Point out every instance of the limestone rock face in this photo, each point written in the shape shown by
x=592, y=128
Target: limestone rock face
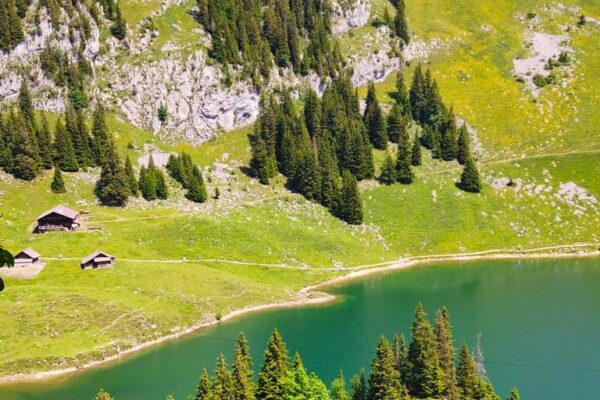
x=348, y=15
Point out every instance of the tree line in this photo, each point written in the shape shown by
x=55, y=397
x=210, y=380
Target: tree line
x=426, y=368
x=256, y=34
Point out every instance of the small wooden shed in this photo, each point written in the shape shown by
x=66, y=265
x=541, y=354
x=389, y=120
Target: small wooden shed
x=98, y=259
x=26, y=258
x=60, y=218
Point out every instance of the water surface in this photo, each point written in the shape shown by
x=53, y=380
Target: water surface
x=539, y=321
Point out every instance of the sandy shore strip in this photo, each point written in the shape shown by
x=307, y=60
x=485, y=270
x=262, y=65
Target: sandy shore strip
x=310, y=295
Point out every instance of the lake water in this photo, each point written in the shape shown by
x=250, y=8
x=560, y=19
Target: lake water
x=539, y=322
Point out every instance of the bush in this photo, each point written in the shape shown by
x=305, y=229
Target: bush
x=25, y=168
x=540, y=80
x=163, y=113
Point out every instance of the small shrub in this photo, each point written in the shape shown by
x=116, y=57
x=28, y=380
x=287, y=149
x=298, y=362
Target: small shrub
x=163, y=114
x=539, y=80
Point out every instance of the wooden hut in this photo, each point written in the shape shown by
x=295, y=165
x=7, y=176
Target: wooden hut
x=98, y=259
x=60, y=218
x=27, y=258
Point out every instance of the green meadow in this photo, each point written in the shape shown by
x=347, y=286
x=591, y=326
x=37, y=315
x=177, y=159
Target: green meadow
x=549, y=147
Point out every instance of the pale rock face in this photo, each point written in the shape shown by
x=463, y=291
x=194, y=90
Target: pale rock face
x=355, y=15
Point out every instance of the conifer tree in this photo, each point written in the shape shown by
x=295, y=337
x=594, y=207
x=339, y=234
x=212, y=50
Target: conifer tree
x=359, y=386
x=204, y=389
x=131, y=178
x=64, y=155
x=469, y=179
x=417, y=96
x=24, y=168
x=196, y=190
x=100, y=136
x=396, y=124
x=162, y=191
x=243, y=382
x=147, y=184
x=448, y=138
x=400, y=24
x=260, y=162
x=75, y=125
x=464, y=145
x=416, y=158
x=374, y=121
x=426, y=376
x=384, y=379
x=401, y=95
x=102, y=395
x=306, y=179
x=404, y=173
x=514, y=394
x=44, y=139
x=26, y=104
x=400, y=350
x=388, y=171
x=445, y=347
x=274, y=369
x=298, y=384
x=58, y=184
x=222, y=388
x=349, y=205
x=112, y=189
x=338, y=388
x=469, y=383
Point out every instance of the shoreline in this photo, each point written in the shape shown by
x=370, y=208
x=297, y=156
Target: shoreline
x=311, y=296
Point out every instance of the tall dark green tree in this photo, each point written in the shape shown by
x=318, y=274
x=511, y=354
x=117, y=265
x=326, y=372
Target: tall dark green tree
x=119, y=28
x=469, y=383
x=101, y=138
x=400, y=350
x=112, y=189
x=426, y=377
x=196, y=189
x=44, y=140
x=445, y=347
x=384, y=379
x=448, y=138
x=416, y=157
x=162, y=191
x=464, y=145
x=274, y=369
x=400, y=24
x=404, y=173
x=338, y=388
x=396, y=124
x=204, y=389
x=388, y=171
x=64, y=154
x=349, y=206
x=469, y=179
x=358, y=386
x=131, y=178
x=401, y=95
x=243, y=382
x=26, y=104
x=223, y=388
x=374, y=120
x=58, y=184
x=514, y=394
x=147, y=184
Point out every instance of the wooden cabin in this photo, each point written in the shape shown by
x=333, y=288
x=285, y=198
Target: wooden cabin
x=26, y=258
x=98, y=259
x=60, y=218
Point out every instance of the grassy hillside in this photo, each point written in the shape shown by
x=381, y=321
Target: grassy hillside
x=549, y=146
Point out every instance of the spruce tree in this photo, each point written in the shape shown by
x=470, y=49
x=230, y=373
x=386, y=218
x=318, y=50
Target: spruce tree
x=222, y=388
x=101, y=141
x=204, y=389
x=26, y=104
x=147, y=184
x=243, y=382
x=102, y=395
x=400, y=24
x=396, y=124
x=404, y=173
x=274, y=369
x=112, y=189
x=24, y=168
x=374, y=121
x=75, y=125
x=384, y=379
x=358, y=386
x=469, y=179
x=131, y=178
x=416, y=157
x=400, y=350
x=448, y=138
x=469, y=383
x=514, y=394
x=306, y=179
x=64, y=155
x=44, y=139
x=426, y=378
x=162, y=191
x=401, y=95
x=196, y=190
x=388, y=171
x=338, y=388
x=349, y=205
x=464, y=145
x=445, y=347
x=58, y=184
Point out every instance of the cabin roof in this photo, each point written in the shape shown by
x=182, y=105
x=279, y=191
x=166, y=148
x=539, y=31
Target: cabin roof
x=61, y=210
x=29, y=252
x=96, y=254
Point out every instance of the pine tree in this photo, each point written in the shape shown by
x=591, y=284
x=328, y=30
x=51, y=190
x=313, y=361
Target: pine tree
x=306, y=179
x=222, y=388
x=44, y=139
x=204, y=389
x=112, y=189
x=401, y=95
x=119, y=28
x=64, y=155
x=101, y=142
x=400, y=350
x=359, y=386
x=469, y=179
x=349, y=205
x=147, y=184
x=445, y=347
x=448, y=138
x=404, y=173
x=396, y=124
x=274, y=369
x=243, y=382
x=400, y=24
x=131, y=178
x=426, y=376
x=196, y=190
x=467, y=379
x=384, y=379
x=388, y=171
x=75, y=125
x=464, y=145
x=24, y=168
x=416, y=158
x=58, y=184
x=338, y=388
x=374, y=121
x=417, y=96
x=514, y=394
x=162, y=191
x=26, y=104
